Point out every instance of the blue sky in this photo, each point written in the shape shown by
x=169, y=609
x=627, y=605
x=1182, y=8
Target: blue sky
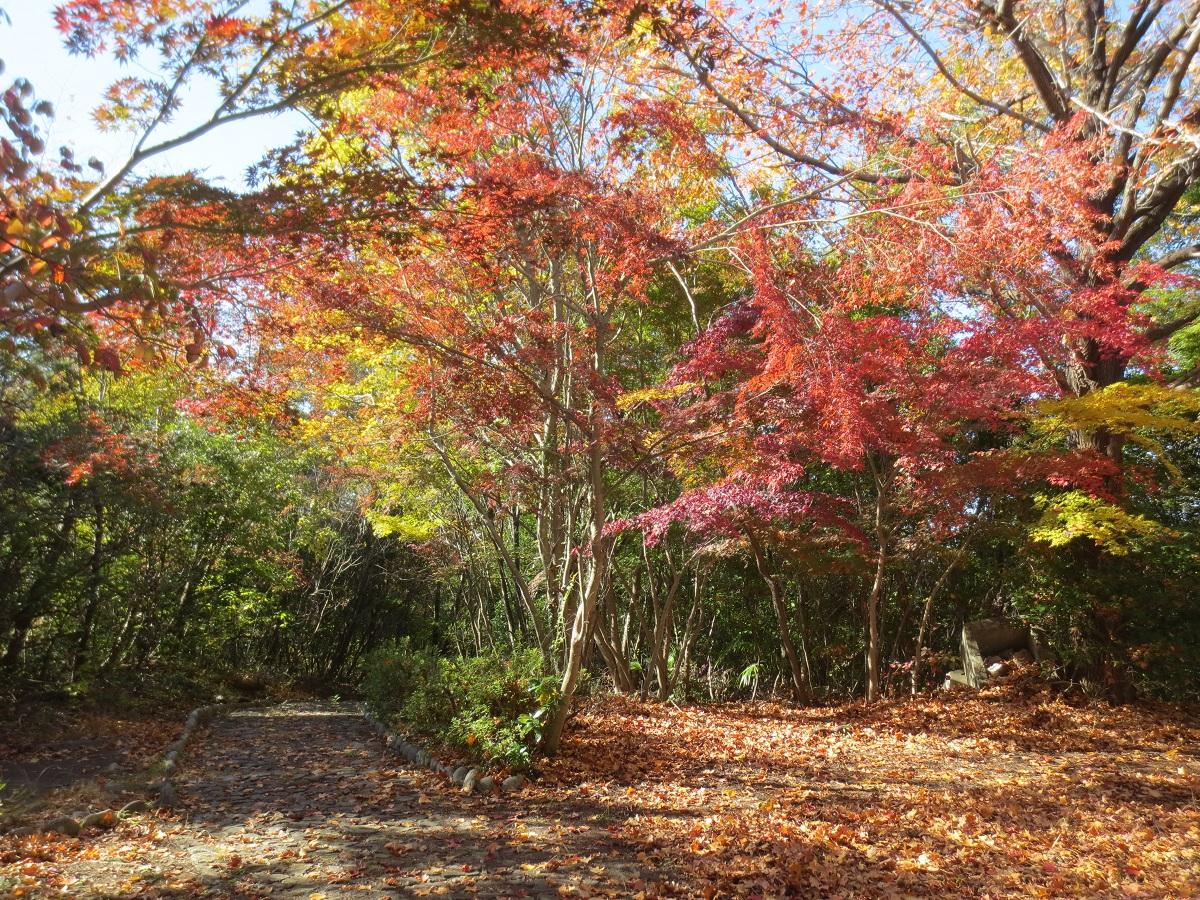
x=32, y=48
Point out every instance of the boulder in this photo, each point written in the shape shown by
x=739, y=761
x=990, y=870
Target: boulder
x=988, y=638
x=486, y=785
x=459, y=775
x=513, y=783
x=133, y=808
x=167, y=795
x=956, y=680
x=470, y=781
x=105, y=818
x=62, y=825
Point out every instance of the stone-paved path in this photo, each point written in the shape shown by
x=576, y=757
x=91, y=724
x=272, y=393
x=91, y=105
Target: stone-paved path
x=301, y=801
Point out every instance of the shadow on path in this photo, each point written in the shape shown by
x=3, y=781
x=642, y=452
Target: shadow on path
x=300, y=800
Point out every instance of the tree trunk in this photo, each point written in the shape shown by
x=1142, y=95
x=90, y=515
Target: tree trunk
x=880, y=473
x=95, y=583
x=581, y=620
x=925, y=614
x=35, y=598
x=801, y=689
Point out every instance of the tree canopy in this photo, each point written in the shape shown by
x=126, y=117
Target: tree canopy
x=682, y=346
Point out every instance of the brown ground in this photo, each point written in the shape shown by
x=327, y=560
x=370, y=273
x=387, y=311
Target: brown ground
x=300, y=801
x=55, y=761
x=988, y=796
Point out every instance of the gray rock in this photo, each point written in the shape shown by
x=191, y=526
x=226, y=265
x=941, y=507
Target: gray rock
x=105, y=818
x=459, y=775
x=62, y=825
x=513, y=783
x=24, y=831
x=167, y=795
x=133, y=808
x=176, y=747
x=470, y=781
x=486, y=785
x=957, y=680
x=168, y=765
x=982, y=640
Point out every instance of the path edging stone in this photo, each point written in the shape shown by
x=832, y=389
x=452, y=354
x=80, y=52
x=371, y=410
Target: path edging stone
x=471, y=778
x=108, y=818
x=168, y=796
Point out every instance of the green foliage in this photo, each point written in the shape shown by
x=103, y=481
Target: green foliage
x=135, y=538
x=402, y=682
x=493, y=707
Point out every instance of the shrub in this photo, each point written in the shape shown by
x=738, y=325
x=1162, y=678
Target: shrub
x=393, y=674
x=492, y=706
x=501, y=705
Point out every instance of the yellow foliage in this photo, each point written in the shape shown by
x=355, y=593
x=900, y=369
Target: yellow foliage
x=405, y=527
x=1077, y=515
x=1133, y=411
x=655, y=392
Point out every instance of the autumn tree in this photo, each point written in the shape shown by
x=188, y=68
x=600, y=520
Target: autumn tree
x=530, y=212
x=1044, y=175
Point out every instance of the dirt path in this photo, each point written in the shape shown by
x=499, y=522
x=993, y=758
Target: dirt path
x=985, y=796
x=300, y=800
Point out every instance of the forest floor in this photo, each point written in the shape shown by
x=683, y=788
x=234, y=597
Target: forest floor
x=992, y=795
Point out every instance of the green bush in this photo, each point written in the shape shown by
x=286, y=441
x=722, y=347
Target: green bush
x=395, y=674
x=493, y=707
